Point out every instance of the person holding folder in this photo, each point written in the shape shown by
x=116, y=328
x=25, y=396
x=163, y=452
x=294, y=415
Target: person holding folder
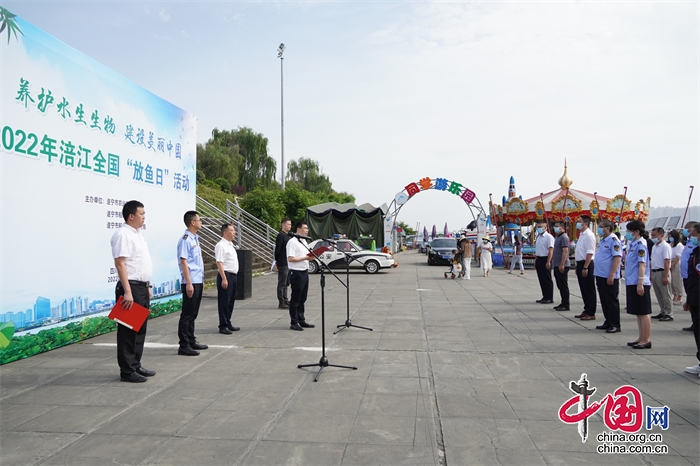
x=134, y=266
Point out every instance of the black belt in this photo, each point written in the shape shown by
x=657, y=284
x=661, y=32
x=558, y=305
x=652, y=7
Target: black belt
x=231, y=273
x=299, y=271
x=657, y=270
x=139, y=283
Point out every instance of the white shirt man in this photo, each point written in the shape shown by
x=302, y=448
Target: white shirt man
x=544, y=249
x=585, y=267
x=135, y=268
x=661, y=274
x=297, y=257
x=227, y=278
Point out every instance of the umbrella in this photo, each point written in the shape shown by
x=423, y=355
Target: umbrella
x=425, y=234
x=434, y=234
x=446, y=232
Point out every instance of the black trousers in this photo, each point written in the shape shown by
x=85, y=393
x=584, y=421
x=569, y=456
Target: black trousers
x=609, y=300
x=562, y=280
x=299, y=280
x=282, y=283
x=587, y=287
x=130, y=343
x=226, y=298
x=190, y=310
x=695, y=315
x=545, y=278
x=694, y=325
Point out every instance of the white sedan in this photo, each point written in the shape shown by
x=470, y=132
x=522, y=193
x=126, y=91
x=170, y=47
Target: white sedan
x=366, y=259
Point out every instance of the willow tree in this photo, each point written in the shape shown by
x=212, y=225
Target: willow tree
x=306, y=173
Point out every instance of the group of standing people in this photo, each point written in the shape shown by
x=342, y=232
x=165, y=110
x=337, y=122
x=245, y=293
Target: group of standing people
x=484, y=253
x=670, y=268
x=135, y=269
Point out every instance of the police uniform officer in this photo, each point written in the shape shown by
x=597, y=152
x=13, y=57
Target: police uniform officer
x=685, y=256
x=189, y=255
x=134, y=266
x=607, y=276
x=637, y=278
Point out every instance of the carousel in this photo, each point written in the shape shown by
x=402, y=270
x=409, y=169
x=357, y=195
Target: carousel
x=564, y=204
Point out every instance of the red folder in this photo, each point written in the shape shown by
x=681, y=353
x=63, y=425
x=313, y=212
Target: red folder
x=318, y=251
x=132, y=318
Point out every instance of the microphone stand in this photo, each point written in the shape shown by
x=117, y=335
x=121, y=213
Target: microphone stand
x=323, y=362
x=348, y=323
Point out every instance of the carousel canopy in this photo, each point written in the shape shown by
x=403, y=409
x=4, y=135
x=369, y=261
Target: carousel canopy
x=567, y=204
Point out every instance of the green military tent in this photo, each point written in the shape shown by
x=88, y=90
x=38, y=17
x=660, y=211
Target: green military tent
x=326, y=220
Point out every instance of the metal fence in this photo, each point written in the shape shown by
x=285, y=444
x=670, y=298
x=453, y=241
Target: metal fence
x=251, y=234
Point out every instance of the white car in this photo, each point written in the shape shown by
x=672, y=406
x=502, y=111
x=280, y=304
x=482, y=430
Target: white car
x=366, y=259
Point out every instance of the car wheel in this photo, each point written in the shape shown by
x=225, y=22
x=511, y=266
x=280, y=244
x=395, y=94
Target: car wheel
x=313, y=267
x=371, y=266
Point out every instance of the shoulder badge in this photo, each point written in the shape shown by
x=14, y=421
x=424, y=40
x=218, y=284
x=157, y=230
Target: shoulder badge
x=641, y=253
x=184, y=237
x=617, y=247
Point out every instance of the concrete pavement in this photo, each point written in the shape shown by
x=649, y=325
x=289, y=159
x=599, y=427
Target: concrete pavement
x=455, y=372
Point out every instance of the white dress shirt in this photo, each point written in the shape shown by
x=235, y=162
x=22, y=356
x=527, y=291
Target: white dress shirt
x=295, y=249
x=585, y=245
x=129, y=243
x=543, y=243
x=225, y=252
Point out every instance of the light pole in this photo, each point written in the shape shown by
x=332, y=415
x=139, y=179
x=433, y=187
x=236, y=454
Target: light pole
x=280, y=55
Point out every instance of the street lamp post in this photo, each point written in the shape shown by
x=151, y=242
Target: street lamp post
x=280, y=55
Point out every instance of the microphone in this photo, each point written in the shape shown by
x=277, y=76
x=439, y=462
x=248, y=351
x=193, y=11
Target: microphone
x=296, y=235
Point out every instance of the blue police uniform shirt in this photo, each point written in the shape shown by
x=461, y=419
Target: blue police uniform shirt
x=608, y=249
x=685, y=256
x=637, y=253
x=188, y=248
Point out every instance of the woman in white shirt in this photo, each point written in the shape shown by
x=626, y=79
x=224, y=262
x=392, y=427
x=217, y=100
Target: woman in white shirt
x=674, y=239
x=486, y=260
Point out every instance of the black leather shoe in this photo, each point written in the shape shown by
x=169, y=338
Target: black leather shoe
x=305, y=325
x=145, y=372
x=561, y=308
x=578, y=316
x=134, y=377
x=283, y=306
x=658, y=316
x=296, y=327
x=688, y=329
x=232, y=328
x=613, y=330
x=187, y=351
x=546, y=301
x=225, y=331
x=197, y=345
x=602, y=327
x=632, y=343
x=539, y=300
x=638, y=346
x=666, y=318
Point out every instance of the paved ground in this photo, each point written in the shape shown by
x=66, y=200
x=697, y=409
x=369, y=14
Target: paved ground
x=455, y=372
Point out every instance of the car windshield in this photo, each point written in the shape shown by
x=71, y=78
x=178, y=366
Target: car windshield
x=444, y=243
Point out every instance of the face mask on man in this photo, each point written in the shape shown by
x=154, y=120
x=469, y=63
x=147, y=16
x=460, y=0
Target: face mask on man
x=686, y=232
x=694, y=240
x=540, y=230
x=601, y=231
x=655, y=240
x=557, y=230
x=579, y=225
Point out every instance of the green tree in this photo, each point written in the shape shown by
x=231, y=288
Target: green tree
x=219, y=158
x=306, y=173
x=257, y=168
x=409, y=231
x=265, y=204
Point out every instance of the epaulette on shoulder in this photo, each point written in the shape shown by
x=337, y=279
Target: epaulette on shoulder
x=184, y=237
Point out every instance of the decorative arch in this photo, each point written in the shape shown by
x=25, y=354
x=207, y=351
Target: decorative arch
x=425, y=184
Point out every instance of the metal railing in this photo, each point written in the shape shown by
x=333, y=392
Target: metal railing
x=249, y=234
x=252, y=222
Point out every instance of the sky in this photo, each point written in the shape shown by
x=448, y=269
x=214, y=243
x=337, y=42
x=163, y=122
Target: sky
x=383, y=94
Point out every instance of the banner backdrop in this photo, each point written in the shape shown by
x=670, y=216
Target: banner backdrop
x=78, y=141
